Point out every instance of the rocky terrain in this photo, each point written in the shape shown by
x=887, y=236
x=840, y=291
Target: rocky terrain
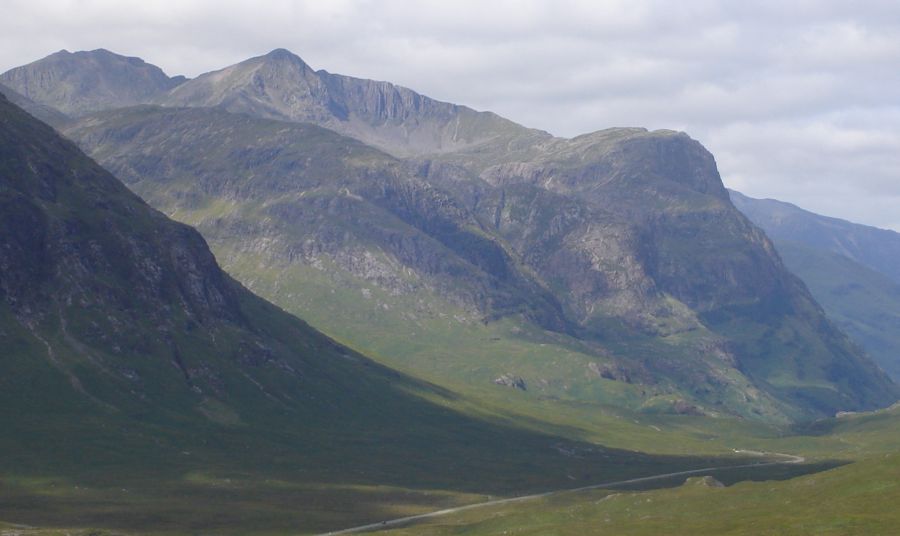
x=619, y=249
x=45, y=113
x=82, y=82
x=141, y=386
x=280, y=85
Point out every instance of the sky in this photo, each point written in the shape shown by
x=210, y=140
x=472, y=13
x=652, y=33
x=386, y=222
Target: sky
x=797, y=100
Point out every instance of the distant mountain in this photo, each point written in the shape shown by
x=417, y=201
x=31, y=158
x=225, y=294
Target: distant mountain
x=878, y=249
x=45, y=113
x=82, y=82
x=280, y=85
x=615, y=261
x=847, y=267
x=317, y=195
x=619, y=249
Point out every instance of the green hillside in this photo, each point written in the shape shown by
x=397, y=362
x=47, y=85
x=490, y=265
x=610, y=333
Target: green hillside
x=592, y=289
x=850, y=499
x=849, y=268
x=143, y=390
x=863, y=302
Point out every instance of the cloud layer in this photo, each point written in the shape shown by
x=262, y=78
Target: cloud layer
x=799, y=100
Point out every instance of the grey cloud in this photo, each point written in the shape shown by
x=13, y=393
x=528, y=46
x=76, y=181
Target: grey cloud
x=797, y=100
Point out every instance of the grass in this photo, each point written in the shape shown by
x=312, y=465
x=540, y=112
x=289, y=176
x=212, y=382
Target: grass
x=129, y=404
x=853, y=498
x=344, y=440
x=863, y=302
x=361, y=447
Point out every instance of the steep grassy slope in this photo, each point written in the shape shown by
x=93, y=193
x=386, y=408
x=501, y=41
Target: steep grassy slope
x=583, y=259
x=863, y=302
x=144, y=390
x=849, y=268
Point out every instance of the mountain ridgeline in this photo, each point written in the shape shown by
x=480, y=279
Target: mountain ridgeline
x=877, y=249
x=280, y=85
x=851, y=270
x=611, y=267
x=81, y=82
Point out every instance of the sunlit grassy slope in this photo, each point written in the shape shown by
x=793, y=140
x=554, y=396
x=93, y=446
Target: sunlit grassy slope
x=856, y=498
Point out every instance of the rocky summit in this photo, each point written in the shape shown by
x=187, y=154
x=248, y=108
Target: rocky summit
x=81, y=82
x=280, y=85
x=463, y=247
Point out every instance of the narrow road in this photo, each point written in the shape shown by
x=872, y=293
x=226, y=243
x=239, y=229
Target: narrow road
x=394, y=523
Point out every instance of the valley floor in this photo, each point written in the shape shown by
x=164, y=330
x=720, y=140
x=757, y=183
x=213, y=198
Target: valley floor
x=823, y=495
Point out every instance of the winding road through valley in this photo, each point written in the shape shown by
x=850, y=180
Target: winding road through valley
x=395, y=523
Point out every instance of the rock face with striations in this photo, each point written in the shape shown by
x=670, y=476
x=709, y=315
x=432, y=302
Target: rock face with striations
x=45, y=113
x=280, y=85
x=623, y=244
x=81, y=82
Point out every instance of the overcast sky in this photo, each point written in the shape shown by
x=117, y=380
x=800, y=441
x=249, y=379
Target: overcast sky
x=798, y=101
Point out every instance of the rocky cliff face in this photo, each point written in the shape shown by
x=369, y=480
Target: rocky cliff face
x=636, y=227
x=280, y=85
x=622, y=243
x=615, y=237
x=82, y=82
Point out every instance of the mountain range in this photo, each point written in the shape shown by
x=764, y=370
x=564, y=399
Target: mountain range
x=851, y=269
x=610, y=268
x=492, y=311
x=143, y=386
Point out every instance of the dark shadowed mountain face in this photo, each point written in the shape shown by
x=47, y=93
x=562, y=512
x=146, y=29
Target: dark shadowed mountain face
x=619, y=250
x=849, y=268
x=82, y=82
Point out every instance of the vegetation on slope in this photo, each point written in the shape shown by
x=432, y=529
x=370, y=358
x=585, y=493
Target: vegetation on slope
x=588, y=249
x=850, y=499
x=144, y=390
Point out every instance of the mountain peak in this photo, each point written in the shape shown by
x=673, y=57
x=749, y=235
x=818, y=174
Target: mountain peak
x=87, y=81
x=283, y=54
